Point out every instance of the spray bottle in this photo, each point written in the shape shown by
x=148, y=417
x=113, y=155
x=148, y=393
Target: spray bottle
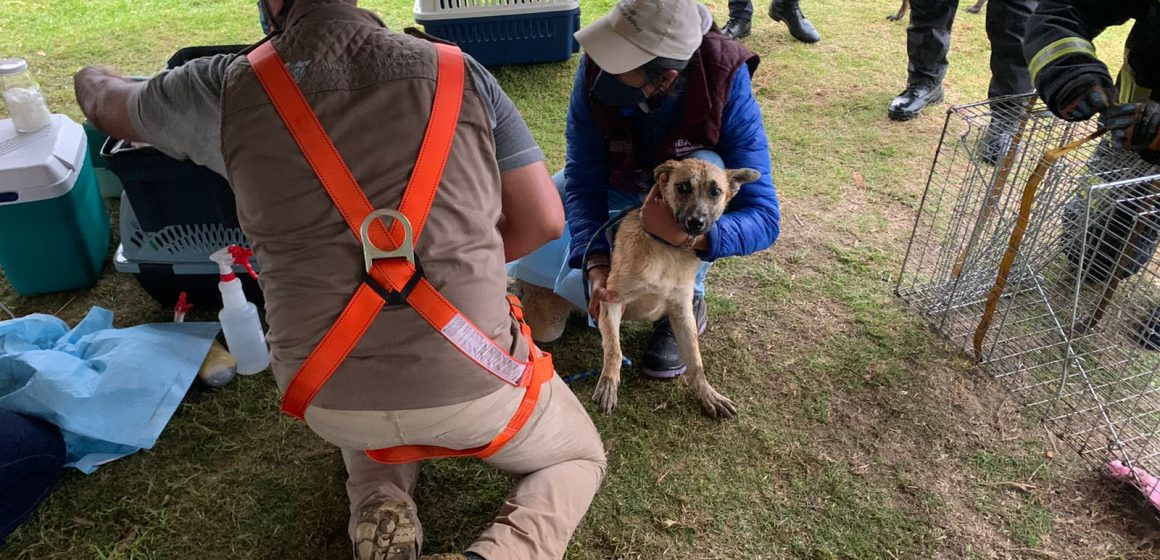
x=239, y=318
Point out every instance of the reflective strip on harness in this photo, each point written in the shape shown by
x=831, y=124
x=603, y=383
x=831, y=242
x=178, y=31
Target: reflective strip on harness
x=478, y=347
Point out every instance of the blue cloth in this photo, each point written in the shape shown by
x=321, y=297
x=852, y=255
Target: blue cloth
x=548, y=267
x=751, y=222
x=110, y=391
x=31, y=460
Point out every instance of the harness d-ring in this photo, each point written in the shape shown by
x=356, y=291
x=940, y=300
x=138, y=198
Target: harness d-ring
x=372, y=253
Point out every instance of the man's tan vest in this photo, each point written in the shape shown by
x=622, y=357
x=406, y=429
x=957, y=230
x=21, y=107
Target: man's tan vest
x=372, y=90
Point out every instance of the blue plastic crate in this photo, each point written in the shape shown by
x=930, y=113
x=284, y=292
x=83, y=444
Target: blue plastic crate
x=511, y=39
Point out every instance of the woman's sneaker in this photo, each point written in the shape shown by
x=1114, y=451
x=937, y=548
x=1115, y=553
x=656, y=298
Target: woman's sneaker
x=662, y=359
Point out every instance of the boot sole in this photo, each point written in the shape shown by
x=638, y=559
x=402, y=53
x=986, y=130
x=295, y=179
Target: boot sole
x=386, y=532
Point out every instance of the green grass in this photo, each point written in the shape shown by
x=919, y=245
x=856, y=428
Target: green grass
x=861, y=435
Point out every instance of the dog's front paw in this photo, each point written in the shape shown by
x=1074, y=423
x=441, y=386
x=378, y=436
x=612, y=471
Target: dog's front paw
x=717, y=405
x=605, y=395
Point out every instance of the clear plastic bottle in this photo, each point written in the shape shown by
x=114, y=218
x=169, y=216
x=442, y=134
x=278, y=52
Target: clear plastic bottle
x=239, y=319
x=22, y=96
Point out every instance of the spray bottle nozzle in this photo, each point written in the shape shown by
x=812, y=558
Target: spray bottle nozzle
x=181, y=308
x=225, y=262
x=241, y=257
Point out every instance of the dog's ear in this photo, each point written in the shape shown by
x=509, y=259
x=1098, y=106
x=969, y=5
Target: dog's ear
x=661, y=172
x=741, y=176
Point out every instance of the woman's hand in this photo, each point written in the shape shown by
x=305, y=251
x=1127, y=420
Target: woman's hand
x=597, y=281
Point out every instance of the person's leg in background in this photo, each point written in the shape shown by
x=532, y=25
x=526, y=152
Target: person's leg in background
x=31, y=461
x=740, y=19
x=535, y=280
x=790, y=13
x=928, y=41
x=562, y=458
x=383, y=515
x=1006, y=26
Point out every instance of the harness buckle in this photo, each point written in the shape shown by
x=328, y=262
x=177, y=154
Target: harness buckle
x=372, y=253
x=406, y=250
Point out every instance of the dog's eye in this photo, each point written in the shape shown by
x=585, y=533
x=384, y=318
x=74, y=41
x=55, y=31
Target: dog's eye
x=684, y=188
x=715, y=192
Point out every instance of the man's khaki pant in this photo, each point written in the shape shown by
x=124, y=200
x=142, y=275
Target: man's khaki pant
x=558, y=451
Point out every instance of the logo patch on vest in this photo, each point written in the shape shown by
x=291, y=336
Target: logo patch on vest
x=297, y=69
x=682, y=147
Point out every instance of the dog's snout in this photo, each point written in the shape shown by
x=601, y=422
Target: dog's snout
x=695, y=225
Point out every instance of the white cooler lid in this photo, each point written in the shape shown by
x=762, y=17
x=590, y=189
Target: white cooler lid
x=40, y=165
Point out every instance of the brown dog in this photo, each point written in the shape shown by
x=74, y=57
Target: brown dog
x=906, y=6
x=654, y=279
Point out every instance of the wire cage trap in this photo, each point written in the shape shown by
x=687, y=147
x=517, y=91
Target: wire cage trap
x=1033, y=252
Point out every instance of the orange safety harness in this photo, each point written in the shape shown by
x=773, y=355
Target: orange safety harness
x=395, y=276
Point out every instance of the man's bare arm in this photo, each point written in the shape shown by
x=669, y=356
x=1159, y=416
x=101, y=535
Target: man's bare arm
x=532, y=211
x=103, y=95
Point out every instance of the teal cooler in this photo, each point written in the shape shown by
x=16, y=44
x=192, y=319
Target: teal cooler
x=54, y=229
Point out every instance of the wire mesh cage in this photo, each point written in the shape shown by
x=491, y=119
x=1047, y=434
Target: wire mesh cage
x=1033, y=251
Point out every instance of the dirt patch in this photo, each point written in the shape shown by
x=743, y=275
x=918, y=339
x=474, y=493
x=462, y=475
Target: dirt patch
x=924, y=439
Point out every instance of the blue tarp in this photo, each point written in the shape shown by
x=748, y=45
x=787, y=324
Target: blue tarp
x=111, y=391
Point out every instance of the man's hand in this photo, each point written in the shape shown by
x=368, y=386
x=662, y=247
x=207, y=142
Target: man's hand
x=1136, y=127
x=103, y=95
x=597, y=282
x=1085, y=96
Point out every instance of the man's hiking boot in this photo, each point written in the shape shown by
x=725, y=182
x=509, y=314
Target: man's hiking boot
x=386, y=531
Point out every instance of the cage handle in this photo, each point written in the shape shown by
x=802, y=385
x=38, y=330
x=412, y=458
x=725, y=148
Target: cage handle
x=1026, y=202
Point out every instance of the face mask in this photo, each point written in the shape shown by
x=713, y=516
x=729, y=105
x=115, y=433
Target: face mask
x=616, y=93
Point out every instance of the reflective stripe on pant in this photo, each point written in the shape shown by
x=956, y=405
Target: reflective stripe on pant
x=558, y=452
x=547, y=266
x=928, y=40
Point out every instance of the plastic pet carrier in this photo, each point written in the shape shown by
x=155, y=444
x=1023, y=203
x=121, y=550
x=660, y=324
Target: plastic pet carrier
x=165, y=191
x=164, y=282
x=176, y=259
x=498, y=32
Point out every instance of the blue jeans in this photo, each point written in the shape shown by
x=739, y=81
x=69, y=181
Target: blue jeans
x=548, y=266
x=31, y=460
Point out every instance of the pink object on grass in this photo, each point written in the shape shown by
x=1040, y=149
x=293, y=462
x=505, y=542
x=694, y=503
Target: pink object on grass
x=1139, y=478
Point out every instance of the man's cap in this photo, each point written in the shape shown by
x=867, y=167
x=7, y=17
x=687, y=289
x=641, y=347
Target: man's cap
x=637, y=31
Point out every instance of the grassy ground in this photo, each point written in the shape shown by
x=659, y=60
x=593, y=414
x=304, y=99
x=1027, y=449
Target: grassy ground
x=861, y=435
